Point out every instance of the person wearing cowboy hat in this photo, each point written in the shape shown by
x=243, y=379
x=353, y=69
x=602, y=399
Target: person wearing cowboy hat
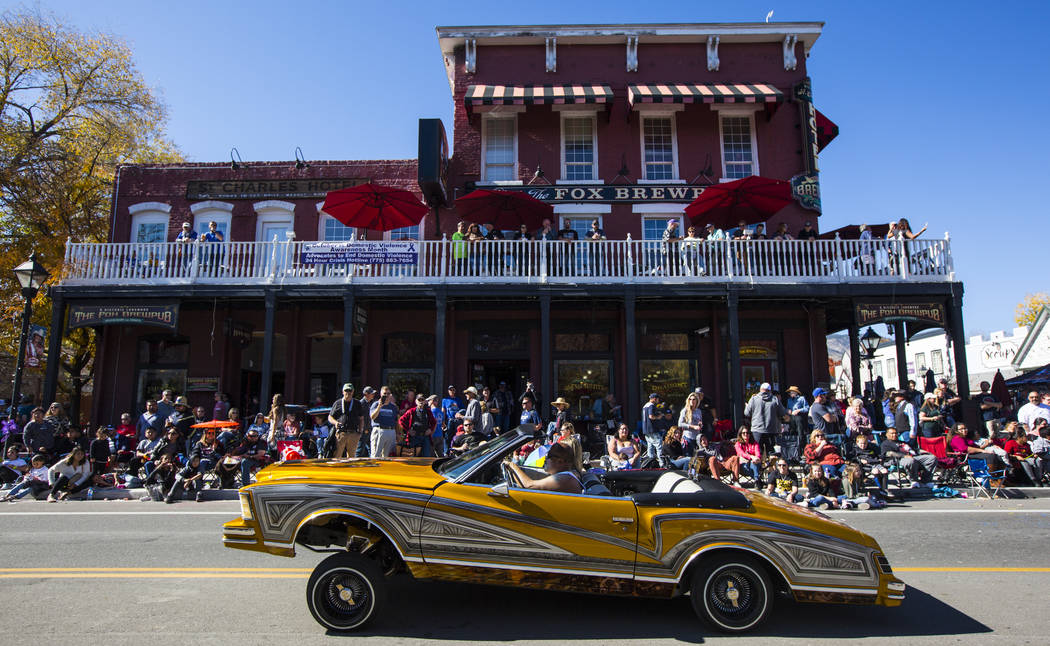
x=473, y=408
x=183, y=419
x=798, y=408
x=562, y=414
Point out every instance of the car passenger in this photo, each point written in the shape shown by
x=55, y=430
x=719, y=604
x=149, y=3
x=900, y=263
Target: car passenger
x=559, y=464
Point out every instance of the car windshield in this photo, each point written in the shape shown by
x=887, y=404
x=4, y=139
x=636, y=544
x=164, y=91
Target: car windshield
x=455, y=467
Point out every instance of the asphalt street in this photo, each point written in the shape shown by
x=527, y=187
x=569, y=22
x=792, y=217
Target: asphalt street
x=127, y=572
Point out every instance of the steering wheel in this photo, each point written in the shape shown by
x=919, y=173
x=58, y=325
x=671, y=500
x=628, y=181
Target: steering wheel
x=509, y=476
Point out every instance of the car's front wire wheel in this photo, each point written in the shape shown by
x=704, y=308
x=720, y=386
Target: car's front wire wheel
x=344, y=591
x=732, y=593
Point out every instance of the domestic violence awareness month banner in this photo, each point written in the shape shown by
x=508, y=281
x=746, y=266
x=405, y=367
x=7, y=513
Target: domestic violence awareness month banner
x=360, y=252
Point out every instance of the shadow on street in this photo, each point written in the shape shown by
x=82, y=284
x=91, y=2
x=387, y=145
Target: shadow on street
x=464, y=612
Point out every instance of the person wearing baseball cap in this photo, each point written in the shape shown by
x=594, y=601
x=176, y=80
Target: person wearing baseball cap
x=346, y=418
x=451, y=411
x=824, y=417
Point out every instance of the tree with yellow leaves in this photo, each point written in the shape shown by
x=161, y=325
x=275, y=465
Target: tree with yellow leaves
x=1029, y=308
x=73, y=108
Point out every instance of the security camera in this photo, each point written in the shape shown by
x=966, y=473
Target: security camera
x=703, y=331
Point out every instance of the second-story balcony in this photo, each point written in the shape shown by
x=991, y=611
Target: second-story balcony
x=512, y=261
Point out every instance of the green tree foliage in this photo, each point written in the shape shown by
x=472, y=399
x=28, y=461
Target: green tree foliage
x=73, y=107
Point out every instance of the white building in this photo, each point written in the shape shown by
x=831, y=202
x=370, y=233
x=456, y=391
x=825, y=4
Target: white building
x=1013, y=352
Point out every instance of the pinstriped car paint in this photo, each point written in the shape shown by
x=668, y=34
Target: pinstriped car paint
x=557, y=541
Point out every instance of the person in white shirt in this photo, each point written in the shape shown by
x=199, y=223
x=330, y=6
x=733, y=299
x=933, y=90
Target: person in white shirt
x=1027, y=414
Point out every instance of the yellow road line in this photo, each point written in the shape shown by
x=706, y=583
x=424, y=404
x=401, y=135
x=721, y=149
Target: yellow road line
x=157, y=569
x=150, y=575
x=972, y=569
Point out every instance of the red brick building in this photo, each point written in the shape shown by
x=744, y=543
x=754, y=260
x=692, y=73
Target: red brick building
x=624, y=124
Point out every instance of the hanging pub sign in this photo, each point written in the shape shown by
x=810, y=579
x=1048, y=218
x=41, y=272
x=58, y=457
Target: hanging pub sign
x=806, y=191
x=360, y=252
x=805, y=187
x=571, y=193
x=929, y=313
x=266, y=189
x=166, y=316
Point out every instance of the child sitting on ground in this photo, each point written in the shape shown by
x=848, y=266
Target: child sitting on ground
x=33, y=481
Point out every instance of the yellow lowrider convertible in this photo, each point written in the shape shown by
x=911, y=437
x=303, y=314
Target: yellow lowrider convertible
x=641, y=533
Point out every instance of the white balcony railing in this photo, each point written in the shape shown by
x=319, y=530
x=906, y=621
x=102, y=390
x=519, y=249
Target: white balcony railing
x=519, y=261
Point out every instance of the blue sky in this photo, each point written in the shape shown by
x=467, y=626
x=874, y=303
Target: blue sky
x=939, y=104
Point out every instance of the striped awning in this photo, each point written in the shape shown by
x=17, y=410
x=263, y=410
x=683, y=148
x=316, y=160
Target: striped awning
x=711, y=93
x=536, y=94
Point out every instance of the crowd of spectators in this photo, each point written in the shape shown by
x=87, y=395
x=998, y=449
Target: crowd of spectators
x=841, y=454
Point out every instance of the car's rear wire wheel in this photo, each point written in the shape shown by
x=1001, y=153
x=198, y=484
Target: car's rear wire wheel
x=344, y=591
x=732, y=593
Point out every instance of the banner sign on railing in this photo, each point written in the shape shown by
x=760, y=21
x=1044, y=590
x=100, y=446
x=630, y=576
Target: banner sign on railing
x=91, y=315
x=360, y=253
x=931, y=313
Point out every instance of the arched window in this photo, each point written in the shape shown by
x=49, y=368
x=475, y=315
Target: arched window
x=149, y=222
x=331, y=230
x=212, y=211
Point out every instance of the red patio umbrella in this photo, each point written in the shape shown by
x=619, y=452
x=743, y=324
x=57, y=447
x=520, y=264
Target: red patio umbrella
x=216, y=424
x=852, y=232
x=505, y=209
x=751, y=199
x=375, y=207
x=1000, y=391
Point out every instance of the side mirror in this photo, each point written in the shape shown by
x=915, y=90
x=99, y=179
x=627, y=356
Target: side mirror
x=501, y=490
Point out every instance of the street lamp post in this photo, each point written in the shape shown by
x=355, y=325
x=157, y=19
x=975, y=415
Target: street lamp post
x=870, y=343
x=31, y=276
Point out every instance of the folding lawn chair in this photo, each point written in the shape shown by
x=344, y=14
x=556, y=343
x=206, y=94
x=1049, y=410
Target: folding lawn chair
x=983, y=481
x=951, y=466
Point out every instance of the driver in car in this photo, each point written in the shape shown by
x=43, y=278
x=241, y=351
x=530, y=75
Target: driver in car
x=559, y=464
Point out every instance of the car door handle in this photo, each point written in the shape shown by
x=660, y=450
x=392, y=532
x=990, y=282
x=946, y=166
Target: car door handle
x=622, y=519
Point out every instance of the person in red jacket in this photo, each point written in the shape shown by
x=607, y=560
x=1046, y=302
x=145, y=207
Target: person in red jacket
x=820, y=451
x=127, y=435
x=418, y=423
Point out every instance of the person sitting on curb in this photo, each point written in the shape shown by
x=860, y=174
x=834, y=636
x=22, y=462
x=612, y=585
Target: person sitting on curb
x=782, y=483
x=189, y=477
x=69, y=475
x=33, y=481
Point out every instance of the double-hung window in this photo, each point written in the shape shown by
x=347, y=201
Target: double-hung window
x=499, y=148
x=659, y=148
x=579, y=147
x=739, y=156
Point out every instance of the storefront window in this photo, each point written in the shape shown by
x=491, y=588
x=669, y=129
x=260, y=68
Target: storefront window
x=581, y=342
x=504, y=342
x=671, y=378
x=665, y=342
x=409, y=348
x=153, y=382
x=163, y=350
x=402, y=380
x=582, y=383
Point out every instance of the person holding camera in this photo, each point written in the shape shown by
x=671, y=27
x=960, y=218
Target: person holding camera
x=345, y=417
x=384, y=416
x=418, y=423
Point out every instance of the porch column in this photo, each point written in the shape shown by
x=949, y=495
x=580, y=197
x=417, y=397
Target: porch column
x=441, y=305
x=630, y=409
x=546, y=372
x=266, y=379
x=348, y=339
x=902, y=355
x=854, y=357
x=736, y=377
x=962, y=371
x=54, y=346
